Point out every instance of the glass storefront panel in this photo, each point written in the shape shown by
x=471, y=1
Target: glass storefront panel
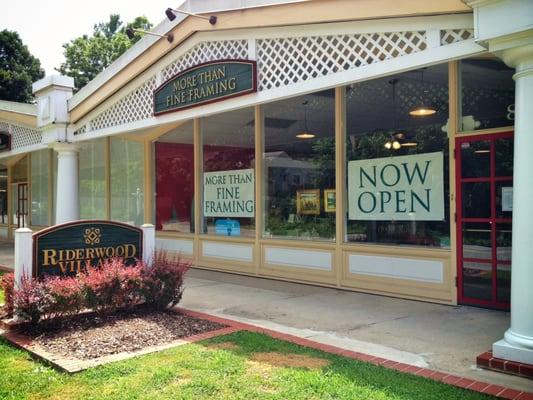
x=477, y=280
x=228, y=151
x=127, y=181
x=40, y=175
x=92, y=175
x=299, y=167
x=477, y=240
x=487, y=94
x=397, y=162
x=475, y=159
x=476, y=200
x=174, y=180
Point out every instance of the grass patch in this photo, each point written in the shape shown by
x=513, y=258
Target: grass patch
x=242, y=365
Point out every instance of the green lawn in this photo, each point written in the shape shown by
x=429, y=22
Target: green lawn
x=242, y=365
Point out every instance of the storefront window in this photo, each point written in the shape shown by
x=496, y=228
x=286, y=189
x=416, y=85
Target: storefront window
x=228, y=204
x=487, y=94
x=127, y=181
x=40, y=171
x=3, y=196
x=92, y=179
x=299, y=167
x=19, y=193
x=174, y=180
x=397, y=163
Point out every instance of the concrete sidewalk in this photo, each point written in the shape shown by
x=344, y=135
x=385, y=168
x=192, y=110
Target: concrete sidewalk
x=438, y=337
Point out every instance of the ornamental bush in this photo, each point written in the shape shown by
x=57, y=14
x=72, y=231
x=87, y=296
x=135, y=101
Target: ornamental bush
x=65, y=297
x=103, y=289
x=163, y=280
x=112, y=285
x=7, y=283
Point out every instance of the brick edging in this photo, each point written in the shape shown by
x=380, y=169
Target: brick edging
x=488, y=361
x=450, y=379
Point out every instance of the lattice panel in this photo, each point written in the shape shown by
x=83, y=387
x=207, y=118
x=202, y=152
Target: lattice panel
x=138, y=105
x=4, y=126
x=285, y=61
x=207, y=51
x=455, y=35
x=22, y=136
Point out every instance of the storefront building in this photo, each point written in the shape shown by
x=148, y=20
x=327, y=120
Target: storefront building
x=374, y=146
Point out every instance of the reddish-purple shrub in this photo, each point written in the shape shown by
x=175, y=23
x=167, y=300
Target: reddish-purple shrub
x=66, y=296
x=163, y=280
x=111, y=285
x=31, y=300
x=7, y=284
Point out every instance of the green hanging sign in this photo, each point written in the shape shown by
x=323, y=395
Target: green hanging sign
x=206, y=83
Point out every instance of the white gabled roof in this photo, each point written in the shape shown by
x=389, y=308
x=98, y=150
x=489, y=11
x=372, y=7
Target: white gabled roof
x=195, y=6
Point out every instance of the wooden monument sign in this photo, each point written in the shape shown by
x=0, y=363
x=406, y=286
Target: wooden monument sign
x=64, y=250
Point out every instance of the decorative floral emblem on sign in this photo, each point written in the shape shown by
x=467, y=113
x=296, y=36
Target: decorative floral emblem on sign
x=92, y=236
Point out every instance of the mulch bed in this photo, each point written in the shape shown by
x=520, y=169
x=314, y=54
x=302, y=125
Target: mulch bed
x=87, y=337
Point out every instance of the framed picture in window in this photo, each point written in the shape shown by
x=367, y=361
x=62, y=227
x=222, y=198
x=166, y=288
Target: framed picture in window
x=308, y=202
x=330, y=200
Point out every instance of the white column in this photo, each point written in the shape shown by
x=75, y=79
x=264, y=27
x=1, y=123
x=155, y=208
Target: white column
x=517, y=344
x=148, y=243
x=23, y=254
x=67, y=197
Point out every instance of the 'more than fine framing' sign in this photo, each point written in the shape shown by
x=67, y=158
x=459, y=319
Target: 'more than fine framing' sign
x=229, y=193
x=206, y=83
x=404, y=188
x=65, y=250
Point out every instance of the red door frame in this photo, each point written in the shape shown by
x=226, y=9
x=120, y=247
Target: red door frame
x=494, y=303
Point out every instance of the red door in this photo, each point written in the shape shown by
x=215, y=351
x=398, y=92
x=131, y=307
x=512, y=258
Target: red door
x=484, y=167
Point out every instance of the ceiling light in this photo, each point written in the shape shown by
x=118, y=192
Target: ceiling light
x=422, y=111
x=396, y=145
x=410, y=143
x=388, y=145
x=482, y=151
x=305, y=135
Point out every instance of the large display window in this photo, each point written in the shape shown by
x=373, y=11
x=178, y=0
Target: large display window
x=40, y=175
x=299, y=167
x=487, y=94
x=397, y=159
x=228, y=176
x=92, y=176
x=127, y=181
x=174, y=180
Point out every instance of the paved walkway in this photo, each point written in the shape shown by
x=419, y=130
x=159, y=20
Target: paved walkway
x=438, y=337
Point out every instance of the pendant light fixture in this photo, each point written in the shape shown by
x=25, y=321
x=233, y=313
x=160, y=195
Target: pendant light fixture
x=422, y=110
x=397, y=140
x=305, y=134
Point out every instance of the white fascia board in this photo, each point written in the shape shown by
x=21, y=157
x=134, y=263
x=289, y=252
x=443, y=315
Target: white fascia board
x=23, y=150
x=429, y=57
x=19, y=108
x=124, y=60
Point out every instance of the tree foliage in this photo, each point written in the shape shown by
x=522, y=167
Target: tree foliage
x=87, y=56
x=18, y=68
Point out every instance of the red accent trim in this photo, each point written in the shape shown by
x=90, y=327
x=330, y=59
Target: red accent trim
x=253, y=63
x=493, y=220
x=37, y=235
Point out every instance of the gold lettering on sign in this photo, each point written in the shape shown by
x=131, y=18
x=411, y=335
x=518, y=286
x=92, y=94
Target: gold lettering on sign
x=200, y=86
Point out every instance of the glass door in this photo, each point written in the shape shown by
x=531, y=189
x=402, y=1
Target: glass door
x=20, y=204
x=484, y=167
